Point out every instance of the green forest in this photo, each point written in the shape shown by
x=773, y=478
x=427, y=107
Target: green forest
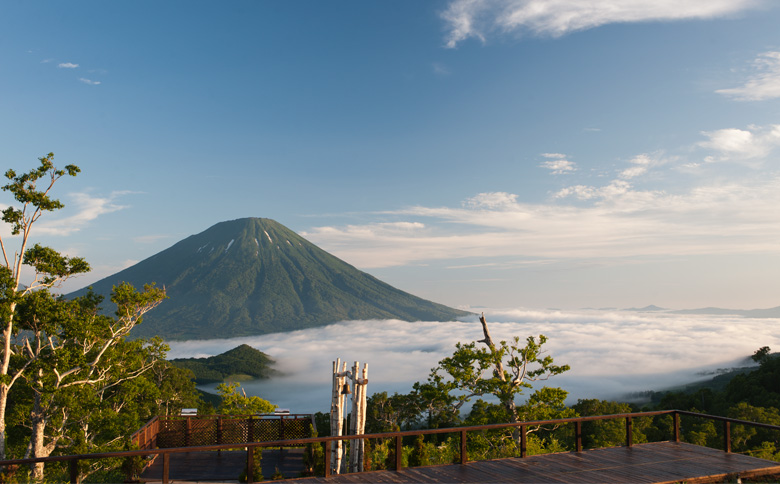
x=72, y=382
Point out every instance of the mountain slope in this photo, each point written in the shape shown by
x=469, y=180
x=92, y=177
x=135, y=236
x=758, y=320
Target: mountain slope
x=254, y=276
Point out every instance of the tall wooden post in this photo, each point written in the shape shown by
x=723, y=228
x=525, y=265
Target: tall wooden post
x=357, y=422
x=337, y=414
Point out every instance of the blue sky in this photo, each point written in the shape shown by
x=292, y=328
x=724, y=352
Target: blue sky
x=503, y=153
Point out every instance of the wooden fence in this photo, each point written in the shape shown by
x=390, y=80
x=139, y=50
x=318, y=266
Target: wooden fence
x=399, y=436
x=191, y=431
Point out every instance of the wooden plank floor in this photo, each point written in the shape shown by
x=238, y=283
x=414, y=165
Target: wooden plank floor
x=660, y=462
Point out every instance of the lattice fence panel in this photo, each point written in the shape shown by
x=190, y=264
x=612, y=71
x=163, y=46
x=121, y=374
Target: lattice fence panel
x=234, y=431
x=298, y=428
x=207, y=430
x=172, y=433
x=203, y=432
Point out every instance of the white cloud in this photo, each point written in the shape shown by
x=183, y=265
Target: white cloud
x=732, y=144
x=477, y=18
x=492, y=201
x=641, y=164
x=763, y=84
x=559, y=167
x=67, y=65
x=89, y=81
x=557, y=163
x=88, y=208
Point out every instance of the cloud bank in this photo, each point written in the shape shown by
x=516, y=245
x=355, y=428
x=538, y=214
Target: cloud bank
x=611, y=354
x=554, y=18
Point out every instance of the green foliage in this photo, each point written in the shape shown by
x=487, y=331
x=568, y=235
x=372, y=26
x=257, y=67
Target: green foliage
x=314, y=457
x=255, y=276
x=257, y=469
x=242, y=360
x=421, y=453
x=608, y=433
x=235, y=403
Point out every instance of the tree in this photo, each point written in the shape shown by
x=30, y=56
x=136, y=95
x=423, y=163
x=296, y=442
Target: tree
x=502, y=370
x=234, y=403
x=77, y=359
x=31, y=191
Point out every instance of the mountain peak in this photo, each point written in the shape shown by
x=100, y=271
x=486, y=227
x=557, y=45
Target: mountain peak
x=253, y=276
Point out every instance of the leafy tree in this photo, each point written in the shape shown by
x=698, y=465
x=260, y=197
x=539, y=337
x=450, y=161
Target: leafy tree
x=32, y=192
x=502, y=370
x=761, y=355
x=79, y=357
x=234, y=403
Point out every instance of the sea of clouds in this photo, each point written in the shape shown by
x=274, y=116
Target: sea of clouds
x=612, y=354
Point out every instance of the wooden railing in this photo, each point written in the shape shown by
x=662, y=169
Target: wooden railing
x=398, y=438
x=146, y=436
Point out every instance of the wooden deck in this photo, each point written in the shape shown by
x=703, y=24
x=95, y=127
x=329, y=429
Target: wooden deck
x=225, y=466
x=661, y=462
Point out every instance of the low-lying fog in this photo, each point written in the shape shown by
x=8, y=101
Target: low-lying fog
x=611, y=353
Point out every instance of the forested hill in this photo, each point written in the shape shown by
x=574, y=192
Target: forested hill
x=253, y=276
x=240, y=363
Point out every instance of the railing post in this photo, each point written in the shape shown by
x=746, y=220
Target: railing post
x=187, y=432
x=281, y=427
x=522, y=440
x=727, y=436
x=578, y=435
x=676, y=427
x=464, y=456
x=166, y=468
x=327, y=458
x=73, y=468
x=399, y=453
x=629, y=431
x=250, y=464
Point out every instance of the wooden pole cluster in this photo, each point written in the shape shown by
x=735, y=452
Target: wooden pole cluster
x=338, y=410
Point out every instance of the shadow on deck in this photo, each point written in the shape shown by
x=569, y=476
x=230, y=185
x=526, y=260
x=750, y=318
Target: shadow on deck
x=659, y=462
x=226, y=466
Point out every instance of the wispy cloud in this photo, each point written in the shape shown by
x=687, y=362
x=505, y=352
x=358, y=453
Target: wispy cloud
x=88, y=208
x=763, y=84
x=89, y=81
x=150, y=239
x=478, y=18
x=67, y=65
x=440, y=69
x=557, y=163
x=619, y=218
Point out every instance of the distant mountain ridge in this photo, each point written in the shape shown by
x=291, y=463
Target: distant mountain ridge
x=748, y=313
x=254, y=276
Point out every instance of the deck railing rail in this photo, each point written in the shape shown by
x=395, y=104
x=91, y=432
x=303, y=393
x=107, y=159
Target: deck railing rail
x=398, y=438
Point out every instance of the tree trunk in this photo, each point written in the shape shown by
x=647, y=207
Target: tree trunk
x=508, y=401
x=3, y=402
x=38, y=421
